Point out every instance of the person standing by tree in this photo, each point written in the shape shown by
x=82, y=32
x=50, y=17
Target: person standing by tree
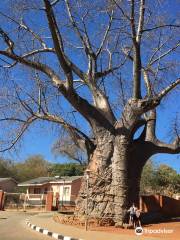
x=132, y=215
x=138, y=218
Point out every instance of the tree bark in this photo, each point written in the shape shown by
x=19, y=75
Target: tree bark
x=114, y=179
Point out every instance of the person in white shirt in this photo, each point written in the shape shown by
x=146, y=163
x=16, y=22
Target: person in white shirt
x=138, y=218
x=132, y=215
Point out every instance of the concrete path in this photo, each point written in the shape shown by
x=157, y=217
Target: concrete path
x=13, y=227
x=44, y=220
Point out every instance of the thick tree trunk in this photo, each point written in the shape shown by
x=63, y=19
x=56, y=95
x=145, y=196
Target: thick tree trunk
x=114, y=180
x=119, y=184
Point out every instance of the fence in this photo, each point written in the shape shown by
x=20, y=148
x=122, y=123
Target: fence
x=13, y=201
x=67, y=206
x=32, y=201
x=22, y=201
x=167, y=206
x=152, y=205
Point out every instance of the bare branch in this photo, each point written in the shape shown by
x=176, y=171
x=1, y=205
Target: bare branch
x=136, y=52
x=121, y=9
x=4, y=66
x=147, y=82
x=105, y=35
x=77, y=102
x=35, y=35
x=37, y=51
x=108, y=71
x=24, y=26
x=53, y=3
x=13, y=119
x=164, y=54
x=151, y=126
x=67, y=65
x=149, y=103
x=29, y=54
x=70, y=155
x=7, y=40
x=173, y=148
x=22, y=130
x=141, y=20
x=75, y=68
x=35, y=65
x=127, y=52
x=24, y=104
x=85, y=42
x=57, y=119
x=132, y=21
x=158, y=48
x=165, y=91
x=58, y=43
x=161, y=26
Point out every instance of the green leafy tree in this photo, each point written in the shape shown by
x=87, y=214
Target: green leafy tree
x=7, y=168
x=70, y=169
x=147, y=177
x=167, y=180
x=32, y=167
x=159, y=179
x=176, y=183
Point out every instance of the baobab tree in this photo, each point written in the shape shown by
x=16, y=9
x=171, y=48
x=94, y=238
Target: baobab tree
x=108, y=62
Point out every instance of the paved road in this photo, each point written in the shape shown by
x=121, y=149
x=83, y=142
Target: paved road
x=13, y=227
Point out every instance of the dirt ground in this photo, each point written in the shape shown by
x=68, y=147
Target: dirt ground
x=169, y=230
x=173, y=227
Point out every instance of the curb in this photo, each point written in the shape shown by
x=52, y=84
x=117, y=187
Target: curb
x=48, y=233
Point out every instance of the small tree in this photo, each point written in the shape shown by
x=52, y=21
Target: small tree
x=33, y=167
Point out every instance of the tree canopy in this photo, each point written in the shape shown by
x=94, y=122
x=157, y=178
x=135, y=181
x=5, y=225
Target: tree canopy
x=69, y=56
x=36, y=166
x=33, y=167
x=160, y=179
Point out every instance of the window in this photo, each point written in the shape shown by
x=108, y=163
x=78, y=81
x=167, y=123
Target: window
x=66, y=191
x=37, y=190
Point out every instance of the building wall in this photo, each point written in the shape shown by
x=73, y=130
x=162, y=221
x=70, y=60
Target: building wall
x=7, y=185
x=168, y=207
x=76, y=185
x=150, y=203
x=39, y=189
x=64, y=191
x=67, y=192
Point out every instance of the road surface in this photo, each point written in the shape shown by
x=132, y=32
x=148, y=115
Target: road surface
x=13, y=227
